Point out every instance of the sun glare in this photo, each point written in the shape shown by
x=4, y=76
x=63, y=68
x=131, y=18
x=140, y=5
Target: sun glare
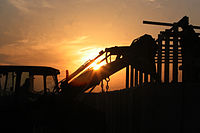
x=91, y=54
x=97, y=66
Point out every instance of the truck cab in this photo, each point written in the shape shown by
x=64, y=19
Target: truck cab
x=22, y=89
x=22, y=80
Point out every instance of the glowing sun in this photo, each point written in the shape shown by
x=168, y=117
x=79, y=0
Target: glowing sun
x=91, y=54
x=96, y=66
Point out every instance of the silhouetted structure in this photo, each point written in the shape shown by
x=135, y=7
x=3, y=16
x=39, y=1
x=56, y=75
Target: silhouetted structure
x=175, y=46
x=161, y=95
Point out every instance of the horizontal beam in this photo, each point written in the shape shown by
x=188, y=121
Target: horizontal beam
x=157, y=23
x=171, y=34
x=165, y=24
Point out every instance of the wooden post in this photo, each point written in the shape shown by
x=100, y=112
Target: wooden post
x=166, y=77
x=175, y=55
x=140, y=78
x=136, y=77
x=132, y=73
x=159, y=59
x=127, y=77
x=145, y=78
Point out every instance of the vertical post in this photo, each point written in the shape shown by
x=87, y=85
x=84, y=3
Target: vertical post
x=166, y=77
x=159, y=59
x=127, y=77
x=67, y=75
x=45, y=84
x=17, y=86
x=140, y=78
x=151, y=79
x=6, y=81
x=145, y=78
x=136, y=77
x=102, y=89
x=175, y=55
x=13, y=76
x=132, y=73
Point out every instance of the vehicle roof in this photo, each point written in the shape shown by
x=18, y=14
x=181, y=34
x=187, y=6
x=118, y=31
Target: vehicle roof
x=34, y=69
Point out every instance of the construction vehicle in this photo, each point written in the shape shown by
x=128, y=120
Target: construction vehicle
x=28, y=103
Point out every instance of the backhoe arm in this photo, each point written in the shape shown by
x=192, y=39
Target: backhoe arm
x=140, y=55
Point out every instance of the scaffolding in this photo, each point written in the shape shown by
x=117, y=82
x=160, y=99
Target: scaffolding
x=168, y=60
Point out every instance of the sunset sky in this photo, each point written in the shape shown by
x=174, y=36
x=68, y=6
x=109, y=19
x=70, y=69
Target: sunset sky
x=65, y=33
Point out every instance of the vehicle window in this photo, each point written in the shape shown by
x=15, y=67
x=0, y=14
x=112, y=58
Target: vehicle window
x=24, y=77
x=11, y=80
x=50, y=83
x=2, y=81
x=38, y=83
x=7, y=83
x=26, y=83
